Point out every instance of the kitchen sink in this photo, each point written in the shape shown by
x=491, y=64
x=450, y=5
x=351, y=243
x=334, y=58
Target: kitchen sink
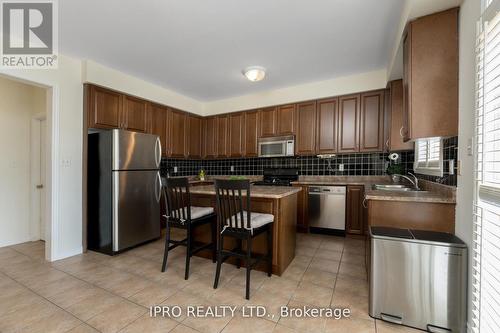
x=394, y=187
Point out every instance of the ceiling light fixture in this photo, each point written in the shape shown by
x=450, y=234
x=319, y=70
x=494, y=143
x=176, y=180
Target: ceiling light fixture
x=254, y=73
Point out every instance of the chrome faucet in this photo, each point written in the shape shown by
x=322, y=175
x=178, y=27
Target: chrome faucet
x=413, y=181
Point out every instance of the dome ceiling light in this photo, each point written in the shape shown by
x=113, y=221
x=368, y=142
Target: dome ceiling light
x=254, y=73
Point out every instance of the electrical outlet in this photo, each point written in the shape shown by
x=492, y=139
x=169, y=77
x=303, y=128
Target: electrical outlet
x=175, y=169
x=341, y=167
x=232, y=168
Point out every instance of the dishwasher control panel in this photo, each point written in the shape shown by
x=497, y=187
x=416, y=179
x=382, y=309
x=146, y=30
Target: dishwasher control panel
x=328, y=189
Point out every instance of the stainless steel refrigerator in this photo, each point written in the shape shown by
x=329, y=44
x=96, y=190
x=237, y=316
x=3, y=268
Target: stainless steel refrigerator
x=124, y=190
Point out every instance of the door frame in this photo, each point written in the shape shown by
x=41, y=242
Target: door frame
x=35, y=148
x=52, y=169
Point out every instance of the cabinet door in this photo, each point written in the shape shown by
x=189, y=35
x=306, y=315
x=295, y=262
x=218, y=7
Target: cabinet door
x=135, y=114
x=406, y=88
x=222, y=134
x=286, y=120
x=354, y=209
x=302, y=209
x=268, y=120
x=396, y=119
x=158, y=125
x=348, y=124
x=251, y=133
x=105, y=108
x=327, y=126
x=194, y=136
x=306, y=129
x=210, y=134
x=236, y=134
x=177, y=124
x=371, y=131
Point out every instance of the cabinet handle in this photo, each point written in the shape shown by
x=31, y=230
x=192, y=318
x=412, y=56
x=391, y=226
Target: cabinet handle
x=387, y=143
x=401, y=132
x=364, y=203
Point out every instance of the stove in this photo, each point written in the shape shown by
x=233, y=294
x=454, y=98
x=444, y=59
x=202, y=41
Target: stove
x=279, y=177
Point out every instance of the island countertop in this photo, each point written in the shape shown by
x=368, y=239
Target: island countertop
x=269, y=192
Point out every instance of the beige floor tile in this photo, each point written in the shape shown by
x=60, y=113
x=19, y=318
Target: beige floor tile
x=272, y=303
x=359, y=250
x=200, y=287
x=16, y=320
x=17, y=299
x=152, y=295
x=126, y=286
x=66, y=298
x=83, y=328
x=174, y=278
x=353, y=258
x=207, y=324
x=230, y=295
x=358, y=305
x=279, y=286
x=305, y=251
x=63, y=285
x=117, y=317
x=384, y=327
x=283, y=329
x=353, y=270
x=347, y=285
x=59, y=322
x=302, y=324
x=328, y=254
x=313, y=294
x=150, y=325
x=308, y=242
x=295, y=271
x=184, y=299
x=249, y=325
x=305, y=260
x=93, y=305
x=332, y=245
x=183, y=329
x=330, y=266
x=319, y=277
x=257, y=278
x=350, y=325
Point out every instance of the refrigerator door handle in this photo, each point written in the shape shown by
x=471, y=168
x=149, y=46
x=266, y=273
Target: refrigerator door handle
x=158, y=152
x=158, y=187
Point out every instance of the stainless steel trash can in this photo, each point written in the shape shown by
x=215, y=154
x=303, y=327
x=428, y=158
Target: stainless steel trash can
x=418, y=279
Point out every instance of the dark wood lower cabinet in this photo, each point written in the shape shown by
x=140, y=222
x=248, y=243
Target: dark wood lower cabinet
x=355, y=210
x=302, y=212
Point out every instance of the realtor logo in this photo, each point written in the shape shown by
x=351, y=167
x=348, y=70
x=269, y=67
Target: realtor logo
x=29, y=34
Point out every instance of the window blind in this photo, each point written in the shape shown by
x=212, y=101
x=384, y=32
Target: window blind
x=429, y=157
x=486, y=229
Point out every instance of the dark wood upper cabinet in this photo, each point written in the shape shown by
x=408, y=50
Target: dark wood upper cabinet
x=236, y=134
x=395, y=124
x=286, y=120
x=305, y=143
x=327, y=114
x=268, y=119
x=158, y=125
x=210, y=135
x=372, y=122
x=251, y=133
x=348, y=134
x=222, y=136
x=177, y=131
x=105, y=108
x=194, y=136
x=135, y=114
x=355, y=209
x=430, y=78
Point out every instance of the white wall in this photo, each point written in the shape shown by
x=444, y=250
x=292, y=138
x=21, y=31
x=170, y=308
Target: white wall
x=67, y=123
x=469, y=14
x=315, y=90
x=19, y=103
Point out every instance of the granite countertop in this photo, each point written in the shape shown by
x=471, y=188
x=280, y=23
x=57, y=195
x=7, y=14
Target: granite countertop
x=271, y=192
x=434, y=193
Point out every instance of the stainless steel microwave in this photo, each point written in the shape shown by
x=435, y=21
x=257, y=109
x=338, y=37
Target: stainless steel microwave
x=277, y=146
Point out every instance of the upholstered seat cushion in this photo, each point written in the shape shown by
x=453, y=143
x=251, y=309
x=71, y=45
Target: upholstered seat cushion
x=257, y=220
x=197, y=212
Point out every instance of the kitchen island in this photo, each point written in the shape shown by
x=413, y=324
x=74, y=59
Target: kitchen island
x=281, y=201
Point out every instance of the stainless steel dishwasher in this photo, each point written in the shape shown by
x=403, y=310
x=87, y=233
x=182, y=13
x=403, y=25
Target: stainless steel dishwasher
x=326, y=207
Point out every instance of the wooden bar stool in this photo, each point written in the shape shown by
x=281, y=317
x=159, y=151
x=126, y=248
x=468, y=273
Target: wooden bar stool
x=180, y=214
x=235, y=222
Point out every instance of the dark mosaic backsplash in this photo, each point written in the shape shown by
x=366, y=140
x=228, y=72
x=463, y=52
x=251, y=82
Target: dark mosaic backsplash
x=354, y=165
x=450, y=152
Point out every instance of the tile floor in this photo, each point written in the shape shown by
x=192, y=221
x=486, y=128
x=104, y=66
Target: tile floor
x=98, y=293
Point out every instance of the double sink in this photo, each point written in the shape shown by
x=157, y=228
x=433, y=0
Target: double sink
x=395, y=187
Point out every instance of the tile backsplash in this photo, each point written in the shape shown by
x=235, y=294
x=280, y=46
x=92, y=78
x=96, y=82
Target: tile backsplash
x=370, y=164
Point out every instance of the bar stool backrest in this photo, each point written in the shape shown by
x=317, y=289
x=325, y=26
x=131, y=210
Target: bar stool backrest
x=177, y=199
x=231, y=209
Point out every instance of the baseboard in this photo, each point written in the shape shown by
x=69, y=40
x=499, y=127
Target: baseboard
x=67, y=254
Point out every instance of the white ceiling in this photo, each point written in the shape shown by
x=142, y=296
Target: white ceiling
x=199, y=47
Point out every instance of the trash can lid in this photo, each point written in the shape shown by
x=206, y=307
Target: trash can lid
x=438, y=237
x=391, y=232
